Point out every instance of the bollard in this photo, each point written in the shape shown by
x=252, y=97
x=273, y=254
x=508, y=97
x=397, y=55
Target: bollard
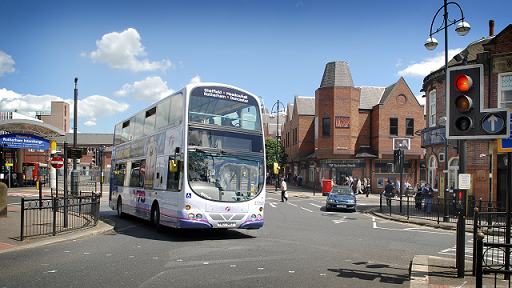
x=3, y=200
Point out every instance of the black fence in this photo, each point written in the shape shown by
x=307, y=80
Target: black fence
x=437, y=209
x=491, y=250
x=43, y=216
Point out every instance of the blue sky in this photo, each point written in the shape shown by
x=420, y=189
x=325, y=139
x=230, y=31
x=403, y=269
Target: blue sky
x=129, y=54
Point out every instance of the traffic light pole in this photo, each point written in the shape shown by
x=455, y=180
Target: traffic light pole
x=460, y=250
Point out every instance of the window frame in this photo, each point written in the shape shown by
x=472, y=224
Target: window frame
x=393, y=127
x=328, y=131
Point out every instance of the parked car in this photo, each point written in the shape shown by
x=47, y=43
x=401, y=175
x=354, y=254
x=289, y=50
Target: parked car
x=341, y=198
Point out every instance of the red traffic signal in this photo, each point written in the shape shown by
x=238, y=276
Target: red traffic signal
x=463, y=82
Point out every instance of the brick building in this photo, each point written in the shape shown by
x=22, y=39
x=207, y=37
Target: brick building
x=352, y=131
x=483, y=158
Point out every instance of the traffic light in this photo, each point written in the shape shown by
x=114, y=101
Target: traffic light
x=466, y=117
x=276, y=168
x=460, y=201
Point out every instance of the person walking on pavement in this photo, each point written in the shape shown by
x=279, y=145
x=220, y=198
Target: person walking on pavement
x=284, y=194
x=428, y=194
x=299, y=179
x=358, y=187
x=418, y=197
x=388, y=192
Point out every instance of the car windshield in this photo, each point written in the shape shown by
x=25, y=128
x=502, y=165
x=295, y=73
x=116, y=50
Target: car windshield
x=342, y=191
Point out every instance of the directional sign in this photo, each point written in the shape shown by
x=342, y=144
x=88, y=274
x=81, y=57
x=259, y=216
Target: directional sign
x=505, y=145
x=57, y=163
x=493, y=123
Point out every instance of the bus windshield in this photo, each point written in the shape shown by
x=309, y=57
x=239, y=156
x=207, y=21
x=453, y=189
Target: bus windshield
x=223, y=177
x=228, y=108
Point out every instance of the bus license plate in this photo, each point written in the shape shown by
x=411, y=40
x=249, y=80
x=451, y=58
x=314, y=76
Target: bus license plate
x=342, y=206
x=226, y=224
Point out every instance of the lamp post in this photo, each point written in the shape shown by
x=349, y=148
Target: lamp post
x=275, y=109
x=462, y=29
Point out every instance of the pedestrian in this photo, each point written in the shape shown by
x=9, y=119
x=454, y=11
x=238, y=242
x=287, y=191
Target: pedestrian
x=367, y=187
x=428, y=194
x=418, y=197
x=299, y=180
x=284, y=194
x=358, y=187
x=295, y=180
x=351, y=181
x=388, y=192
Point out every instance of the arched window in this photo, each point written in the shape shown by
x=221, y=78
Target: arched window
x=453, y=173
x=432, y=172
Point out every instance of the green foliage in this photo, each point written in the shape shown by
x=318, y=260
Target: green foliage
x=271, y=149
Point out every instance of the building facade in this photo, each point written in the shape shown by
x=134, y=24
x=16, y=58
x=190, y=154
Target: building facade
x=353, y=131
x=484, y=161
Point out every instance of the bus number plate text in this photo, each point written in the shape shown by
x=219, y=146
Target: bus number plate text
x=226, y=224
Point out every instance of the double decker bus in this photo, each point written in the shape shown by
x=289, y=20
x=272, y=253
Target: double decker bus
x=195, y=159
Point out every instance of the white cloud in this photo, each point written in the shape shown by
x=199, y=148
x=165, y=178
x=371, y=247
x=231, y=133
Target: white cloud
x=90, y=124
x=428, y=65
x=6, y=63
x=96, y=106
x=92, y=107
x=151, y=89
x=119, y=50
x=25, y=104
x=196, y=79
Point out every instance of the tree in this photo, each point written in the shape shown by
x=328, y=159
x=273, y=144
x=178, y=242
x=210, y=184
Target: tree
x=271, y=148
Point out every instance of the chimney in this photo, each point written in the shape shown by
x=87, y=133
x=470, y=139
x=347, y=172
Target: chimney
x=491, y=27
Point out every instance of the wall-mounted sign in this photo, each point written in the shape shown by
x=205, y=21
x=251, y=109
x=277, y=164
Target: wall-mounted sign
x=24, y=141
x=341, y=122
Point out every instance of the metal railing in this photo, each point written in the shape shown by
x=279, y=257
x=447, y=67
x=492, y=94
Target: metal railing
x=441, y=209
x=54, y=215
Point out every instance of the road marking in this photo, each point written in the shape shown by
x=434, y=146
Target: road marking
x=315, y=205
x=292, y=204
x=339, y=220
x=272, y=204
x=306, y=209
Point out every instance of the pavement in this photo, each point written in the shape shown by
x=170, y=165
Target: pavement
x=426, y=270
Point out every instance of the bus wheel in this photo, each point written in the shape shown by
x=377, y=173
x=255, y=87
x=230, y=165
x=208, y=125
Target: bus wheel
x=155, y=217
x=120, y=213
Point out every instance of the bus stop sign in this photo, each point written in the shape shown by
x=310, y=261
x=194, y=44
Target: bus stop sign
x=57, y=163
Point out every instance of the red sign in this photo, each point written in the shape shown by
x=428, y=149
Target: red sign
x=143, y=169
x=57, y=162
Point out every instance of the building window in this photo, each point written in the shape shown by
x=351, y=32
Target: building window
x=432, y=172
x=453, y=172
x=409, y=127
x=432, y=109
x=393, y=126
x=326, y=127
x=505, y=90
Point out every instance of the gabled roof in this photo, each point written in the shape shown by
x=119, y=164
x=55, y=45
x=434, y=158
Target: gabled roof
x=369, y=96
x=387, y=92
x=305, y=105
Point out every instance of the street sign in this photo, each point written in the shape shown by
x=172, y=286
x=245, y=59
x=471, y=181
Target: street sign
x=465, y=181
x=57, y=163
x=493, y=123
x=505, y=145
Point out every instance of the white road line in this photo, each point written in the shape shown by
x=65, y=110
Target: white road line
x=272, y=204
x=315, y=205
x=306, y=209
x=292, y=204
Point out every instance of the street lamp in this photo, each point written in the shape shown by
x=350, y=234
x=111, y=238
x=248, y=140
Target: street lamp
x=462, y=29
x=275, y=109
